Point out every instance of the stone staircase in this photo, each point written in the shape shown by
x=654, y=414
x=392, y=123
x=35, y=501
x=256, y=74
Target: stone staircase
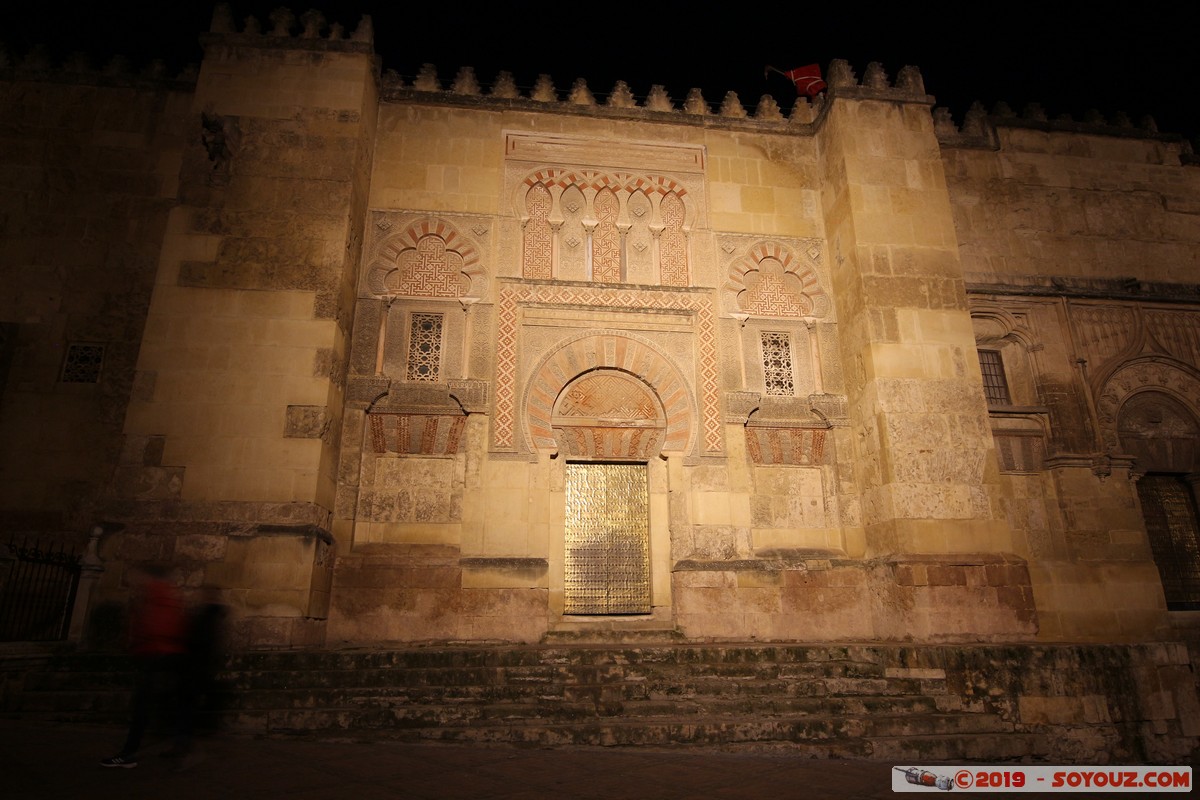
x=822, y=701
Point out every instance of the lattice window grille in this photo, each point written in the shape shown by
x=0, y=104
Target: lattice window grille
x=425, y=348
x=83, y=363
x=1169, y=509
x=995, y=384
x=777, y=363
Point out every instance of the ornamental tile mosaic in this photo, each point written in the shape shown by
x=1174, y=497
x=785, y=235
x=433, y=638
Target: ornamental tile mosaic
x=623, y=351
x=606, y=241
x=673, y=242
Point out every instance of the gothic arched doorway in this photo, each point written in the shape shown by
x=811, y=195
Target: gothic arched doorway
x=1163, y=434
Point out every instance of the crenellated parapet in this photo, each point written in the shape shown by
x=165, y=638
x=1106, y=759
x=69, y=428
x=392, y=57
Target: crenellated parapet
x=466, y=89
x=695, y=108
x=283, y=28
x=909, y=86
x=978, y=128
x=119, y=71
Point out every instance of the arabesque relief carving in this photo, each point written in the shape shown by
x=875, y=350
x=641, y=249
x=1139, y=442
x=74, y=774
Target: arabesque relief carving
x=1104, y=332
x=1176, y=332
x=608, y=413
x=429, y=258
x=610, y=227
x=515, y=295
x=774, y=280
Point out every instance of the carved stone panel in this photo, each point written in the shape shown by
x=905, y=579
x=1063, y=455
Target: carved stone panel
x=775, y=278
x=1160, y=433
x=429, y=257
x=526, y=387
x=609, y=414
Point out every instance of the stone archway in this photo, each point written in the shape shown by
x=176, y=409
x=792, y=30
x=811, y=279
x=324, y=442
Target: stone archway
x=609, y=414
x=1156, y=375
x=608, y=424
x=621, y=361
x=1162, y=433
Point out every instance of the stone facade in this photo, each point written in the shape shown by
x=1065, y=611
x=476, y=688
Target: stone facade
x=354, y=351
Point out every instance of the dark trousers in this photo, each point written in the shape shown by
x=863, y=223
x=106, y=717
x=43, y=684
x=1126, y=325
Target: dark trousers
x=156, y=686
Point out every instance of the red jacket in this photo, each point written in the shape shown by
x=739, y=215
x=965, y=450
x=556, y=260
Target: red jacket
x=157, y=625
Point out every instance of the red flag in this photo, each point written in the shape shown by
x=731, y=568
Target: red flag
x=807, y=79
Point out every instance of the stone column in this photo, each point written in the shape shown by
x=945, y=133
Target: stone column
x=90, y=567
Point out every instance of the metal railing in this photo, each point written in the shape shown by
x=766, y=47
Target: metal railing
x=37, y=591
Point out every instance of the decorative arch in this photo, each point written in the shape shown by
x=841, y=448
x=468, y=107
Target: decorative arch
x=1177, y=381
x=591, y=181
x=995, y=324
x=539, y=242
x=429, y=258
x=565, y=213
x=1160, y=432
x=608, y=413
x=771, y=280
x=609, y=350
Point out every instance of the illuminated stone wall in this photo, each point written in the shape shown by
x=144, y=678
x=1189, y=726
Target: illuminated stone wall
x=387, y=314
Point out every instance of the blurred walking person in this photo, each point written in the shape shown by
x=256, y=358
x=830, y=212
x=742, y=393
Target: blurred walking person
x=203, y=652
x=157, y=630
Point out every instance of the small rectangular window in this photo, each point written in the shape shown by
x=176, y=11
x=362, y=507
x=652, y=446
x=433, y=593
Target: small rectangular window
x=425, y=348
x=995, y=385
x=83, y=363
x=777, y=363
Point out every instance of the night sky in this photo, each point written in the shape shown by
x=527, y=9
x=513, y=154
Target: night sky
x=1140, y=60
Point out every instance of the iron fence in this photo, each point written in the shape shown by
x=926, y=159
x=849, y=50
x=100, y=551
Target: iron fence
x=37, y=591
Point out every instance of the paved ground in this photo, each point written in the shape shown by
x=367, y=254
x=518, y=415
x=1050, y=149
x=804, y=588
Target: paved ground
x=42, y=760
x=48, y=760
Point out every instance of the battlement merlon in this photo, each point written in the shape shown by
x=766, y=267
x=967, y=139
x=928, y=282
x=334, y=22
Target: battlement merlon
x=309, y=31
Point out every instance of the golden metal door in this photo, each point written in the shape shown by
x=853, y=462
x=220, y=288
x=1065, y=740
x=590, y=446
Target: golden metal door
x=608, y=539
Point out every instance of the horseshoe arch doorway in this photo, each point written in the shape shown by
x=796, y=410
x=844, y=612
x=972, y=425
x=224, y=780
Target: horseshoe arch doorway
x=608, y=424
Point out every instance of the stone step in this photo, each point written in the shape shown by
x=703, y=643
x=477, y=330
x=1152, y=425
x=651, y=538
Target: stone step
x=73, y=706
x=526, y=681
x=858, y=661
x=819, y=735
x=596, y=701
x=988, y=747
x=693, y=679
x=903, y=703
x=121, y=680
x=302, y=669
